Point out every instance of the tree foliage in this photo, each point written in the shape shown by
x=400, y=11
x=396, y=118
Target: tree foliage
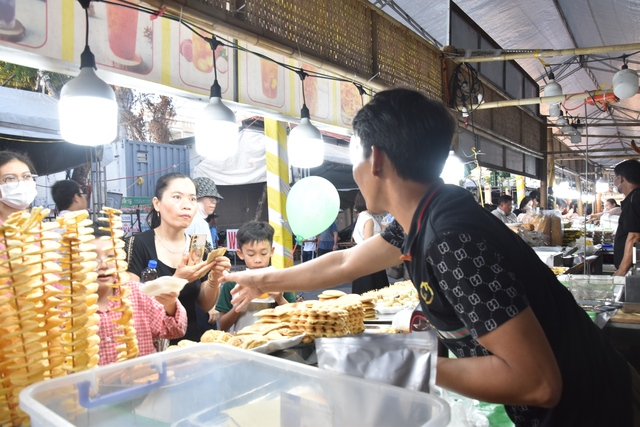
x=145, y=117
x=31, y=79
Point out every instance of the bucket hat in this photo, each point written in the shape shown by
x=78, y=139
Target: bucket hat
x=205, y=187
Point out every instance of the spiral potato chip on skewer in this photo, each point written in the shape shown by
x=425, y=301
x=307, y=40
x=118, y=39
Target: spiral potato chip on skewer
x=79, y=298
x=29, y=325
x=127, y=339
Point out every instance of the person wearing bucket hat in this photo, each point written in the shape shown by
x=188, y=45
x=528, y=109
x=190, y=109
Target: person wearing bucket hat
x=208, y=196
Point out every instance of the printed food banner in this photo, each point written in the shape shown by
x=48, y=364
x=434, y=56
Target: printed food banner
x=134, y=48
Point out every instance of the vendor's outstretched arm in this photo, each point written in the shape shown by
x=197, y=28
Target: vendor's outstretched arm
x=329, y=270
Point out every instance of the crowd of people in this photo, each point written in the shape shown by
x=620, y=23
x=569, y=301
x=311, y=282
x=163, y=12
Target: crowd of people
x=518, y=335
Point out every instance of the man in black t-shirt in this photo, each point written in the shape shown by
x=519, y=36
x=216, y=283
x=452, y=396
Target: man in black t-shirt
x=518, y=334
x=627, y=181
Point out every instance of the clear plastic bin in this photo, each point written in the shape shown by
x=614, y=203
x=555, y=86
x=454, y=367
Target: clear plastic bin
x=217, y=385
x=591, y=287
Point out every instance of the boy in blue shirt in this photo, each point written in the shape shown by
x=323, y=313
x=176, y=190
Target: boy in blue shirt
x=255, y=247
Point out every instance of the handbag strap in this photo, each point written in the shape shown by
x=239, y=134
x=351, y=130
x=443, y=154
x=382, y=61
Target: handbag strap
x=130, y=248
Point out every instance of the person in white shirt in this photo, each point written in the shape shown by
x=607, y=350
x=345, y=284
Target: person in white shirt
x=503, y=211
x=208, y=196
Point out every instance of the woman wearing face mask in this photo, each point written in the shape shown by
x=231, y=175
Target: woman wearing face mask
x=17, y=183
x=174, y=207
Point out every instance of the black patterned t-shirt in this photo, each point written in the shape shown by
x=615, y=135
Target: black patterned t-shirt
x=473, y=274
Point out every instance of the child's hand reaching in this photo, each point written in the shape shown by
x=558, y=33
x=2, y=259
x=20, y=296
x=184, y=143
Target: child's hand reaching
x=168, y=301
x=278, y=297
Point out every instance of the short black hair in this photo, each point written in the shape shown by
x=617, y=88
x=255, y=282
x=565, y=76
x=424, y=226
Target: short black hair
x=629, y=170
x=360, y=204
x=535, y=194
x=525, y=201
x=97, y=232
x=505, y=198
x=255, y=231
x=63, y=193
x=415, y=132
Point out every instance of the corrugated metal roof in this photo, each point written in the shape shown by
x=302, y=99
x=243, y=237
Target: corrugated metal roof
x=554, y=24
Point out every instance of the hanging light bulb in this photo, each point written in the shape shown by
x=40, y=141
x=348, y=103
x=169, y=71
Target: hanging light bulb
x=453, y=170
x=216, y=129
x=553, y=88
x=625, y=82
x=563, y=190
x=305, y=145
x=602, y=185
x=562, y=120
x=87, y=109
x=576, y=136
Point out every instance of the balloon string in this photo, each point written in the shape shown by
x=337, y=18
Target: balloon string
x=293, y=251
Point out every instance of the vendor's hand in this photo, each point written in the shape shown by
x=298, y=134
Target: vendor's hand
x=247, y=287
x=169, y=302
x=192, y=272
x=219, y=265
x=619, y=273
x=213, y=316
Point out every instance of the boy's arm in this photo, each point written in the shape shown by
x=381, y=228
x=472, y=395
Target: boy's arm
x=228, y=316
x=227, y=320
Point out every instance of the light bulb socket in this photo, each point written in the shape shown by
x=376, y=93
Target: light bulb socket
x=87, y=59
x=216, y=90
x=304, y=112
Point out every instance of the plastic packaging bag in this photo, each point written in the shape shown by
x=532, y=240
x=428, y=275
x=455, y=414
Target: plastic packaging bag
x=403, y=360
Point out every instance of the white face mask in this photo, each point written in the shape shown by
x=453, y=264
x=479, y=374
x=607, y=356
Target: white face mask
x=20, y=196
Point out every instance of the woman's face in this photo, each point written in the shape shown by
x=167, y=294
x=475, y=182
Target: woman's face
x=178, y=203
x=13, y=170
x=608, y=206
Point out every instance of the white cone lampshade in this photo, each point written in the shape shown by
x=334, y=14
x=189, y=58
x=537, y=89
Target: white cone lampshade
x=216, y=131
x=306, y=148
x=88, y=110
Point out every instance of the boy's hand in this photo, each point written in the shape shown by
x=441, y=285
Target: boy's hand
x=279, y=298
x=213, y=316
x=168, y=301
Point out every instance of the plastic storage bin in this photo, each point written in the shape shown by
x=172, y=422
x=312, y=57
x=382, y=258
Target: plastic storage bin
x=216, y=385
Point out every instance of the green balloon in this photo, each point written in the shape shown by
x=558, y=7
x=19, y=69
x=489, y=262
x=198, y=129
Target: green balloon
x=312, y=206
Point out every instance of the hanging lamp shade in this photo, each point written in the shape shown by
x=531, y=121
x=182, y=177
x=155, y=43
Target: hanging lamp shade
x=216, y=130
x=87, y=109
x=562, y=120
x=576, y=136
x=553, y=88
x=305, y=145
x=625, y=83
x=453, y=170
x=602, y=185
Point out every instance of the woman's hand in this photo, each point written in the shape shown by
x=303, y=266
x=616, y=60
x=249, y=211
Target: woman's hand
x=193, y=272
x=168, y=301
x=220, y=265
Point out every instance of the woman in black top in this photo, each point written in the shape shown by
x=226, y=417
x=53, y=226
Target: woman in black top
x=174, y=206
